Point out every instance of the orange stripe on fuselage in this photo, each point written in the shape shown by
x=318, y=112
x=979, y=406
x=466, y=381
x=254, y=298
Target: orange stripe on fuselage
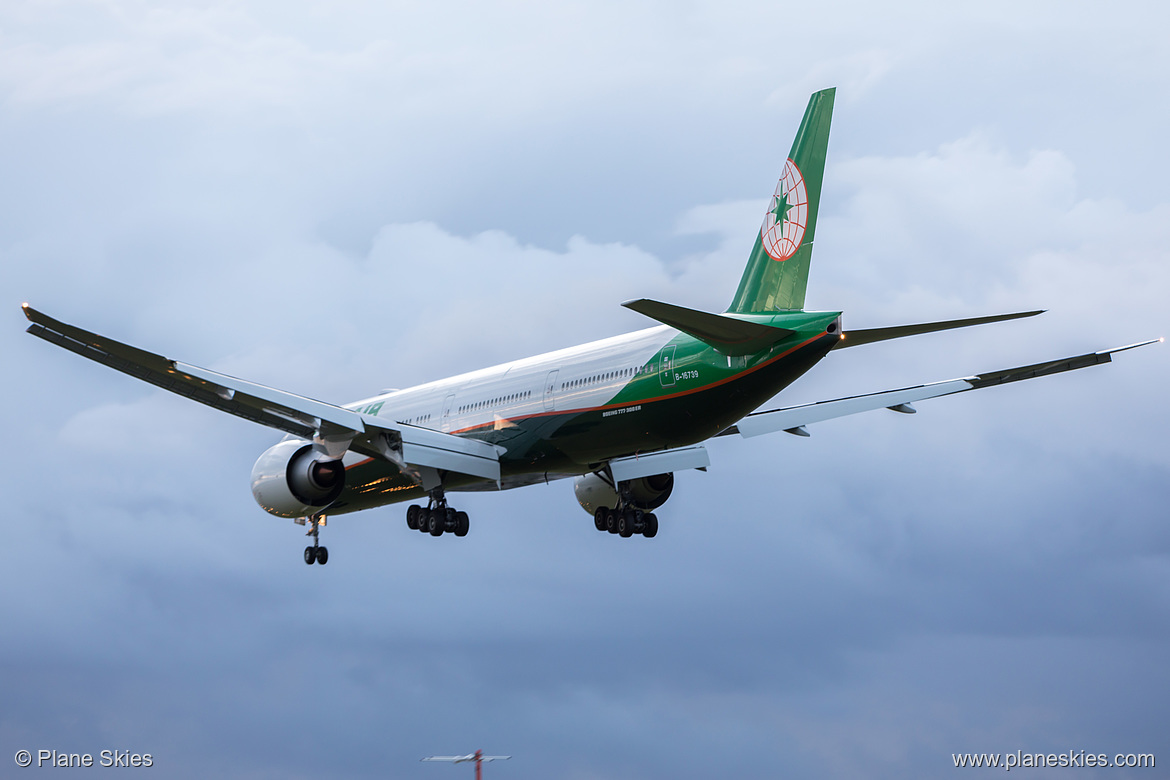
x=679, y=394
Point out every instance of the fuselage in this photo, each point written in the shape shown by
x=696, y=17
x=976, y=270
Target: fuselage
x=562, y=413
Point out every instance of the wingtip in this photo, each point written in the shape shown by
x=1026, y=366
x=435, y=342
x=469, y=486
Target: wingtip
x=1158, y=340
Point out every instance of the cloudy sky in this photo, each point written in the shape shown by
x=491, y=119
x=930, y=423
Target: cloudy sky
x=334, y=198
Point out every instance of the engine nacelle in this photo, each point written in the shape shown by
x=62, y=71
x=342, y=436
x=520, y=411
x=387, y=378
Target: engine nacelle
x=291, y=479
x=647, y=492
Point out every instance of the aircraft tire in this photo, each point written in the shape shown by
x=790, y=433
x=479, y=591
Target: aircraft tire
x=462, y=524
x=611, y=521
x=412, y=517
x=599, y=518
x=322, y=555
x=310, y=556
x=626, y=523
x=436, y=522
x=649, y=525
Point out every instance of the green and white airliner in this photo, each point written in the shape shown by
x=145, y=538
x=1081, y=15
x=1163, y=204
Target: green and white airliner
x=620, y=415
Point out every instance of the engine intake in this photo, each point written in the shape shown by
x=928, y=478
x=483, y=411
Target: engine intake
x=291, y=479
x=647, y=492
x=313, y=481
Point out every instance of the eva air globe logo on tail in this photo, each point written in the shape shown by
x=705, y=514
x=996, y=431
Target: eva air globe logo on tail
x=784, y=224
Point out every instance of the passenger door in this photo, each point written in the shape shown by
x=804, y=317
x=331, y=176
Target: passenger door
x=550, y=390
x=666, y=362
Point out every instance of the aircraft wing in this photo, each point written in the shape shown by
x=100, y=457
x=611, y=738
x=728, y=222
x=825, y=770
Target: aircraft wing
x=793, y=419
x=406, y=446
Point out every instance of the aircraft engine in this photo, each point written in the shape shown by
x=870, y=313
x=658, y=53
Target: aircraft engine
x=292, y=480
x=648, y=492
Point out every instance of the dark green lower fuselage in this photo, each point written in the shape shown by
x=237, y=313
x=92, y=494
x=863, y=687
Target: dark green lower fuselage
x=682, y=393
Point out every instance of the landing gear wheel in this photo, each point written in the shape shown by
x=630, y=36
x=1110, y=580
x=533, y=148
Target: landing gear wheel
x=649, y=525
x=412, y=517
x=626, y=523
x=436, y=521
x=322, y=555
x=462, y=524
x=599, y=518
x=611, y=521
x=310, y=555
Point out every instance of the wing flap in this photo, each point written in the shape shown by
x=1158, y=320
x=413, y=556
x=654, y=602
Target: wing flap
x=651, y=463
x=333, y=427
x=794, y=418
x=1052, y=366
x=160, y=371
x=266, y=398
x=444, y=452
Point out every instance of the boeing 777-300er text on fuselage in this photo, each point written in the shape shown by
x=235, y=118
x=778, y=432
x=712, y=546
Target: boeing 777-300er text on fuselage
x=619, y=415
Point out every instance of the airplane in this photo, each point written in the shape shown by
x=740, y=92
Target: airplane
x=478, y=757
x=619, y=416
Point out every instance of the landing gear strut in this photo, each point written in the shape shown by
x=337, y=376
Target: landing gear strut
x=315, y=553
x=436, y=517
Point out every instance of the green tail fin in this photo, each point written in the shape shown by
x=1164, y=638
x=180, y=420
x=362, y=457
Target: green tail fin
x=777, y=271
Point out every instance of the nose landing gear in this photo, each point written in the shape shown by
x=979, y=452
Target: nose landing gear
x=315, y=553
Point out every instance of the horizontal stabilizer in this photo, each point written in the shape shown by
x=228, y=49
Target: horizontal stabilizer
x=795, y=417
x=727, y=334
x=854, y=338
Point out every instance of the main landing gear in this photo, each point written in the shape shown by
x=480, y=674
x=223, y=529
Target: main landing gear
x=626, y=521
x=315, y=553
x=437, y=517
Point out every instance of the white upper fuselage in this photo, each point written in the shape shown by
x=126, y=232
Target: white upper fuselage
x=578, y=377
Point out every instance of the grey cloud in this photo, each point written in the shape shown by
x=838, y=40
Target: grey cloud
x=337, y=203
